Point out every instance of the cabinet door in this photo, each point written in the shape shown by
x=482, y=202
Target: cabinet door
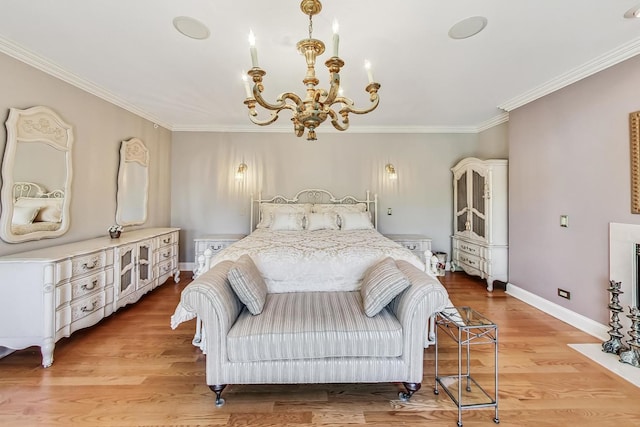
x=145, y=273
x=462, y=204
x=478, y=203
x=127, y=270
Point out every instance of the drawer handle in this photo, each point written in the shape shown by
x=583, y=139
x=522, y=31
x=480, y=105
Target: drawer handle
x=90, y=267
x=167, y=240
x=85, y=309
x=412, y=247
x=167, y=268
x=86, y=287
x=216, y=248
x=166, y=254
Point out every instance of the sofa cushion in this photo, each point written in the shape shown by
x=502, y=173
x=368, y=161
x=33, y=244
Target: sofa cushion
x=309, y=325
x=382, y=282
x=248, y=284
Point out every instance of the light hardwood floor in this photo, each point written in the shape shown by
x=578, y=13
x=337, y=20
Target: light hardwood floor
x=133, y=370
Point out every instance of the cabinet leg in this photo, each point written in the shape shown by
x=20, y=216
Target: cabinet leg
x=490, y=284
x=47, y=352
x=176, y=276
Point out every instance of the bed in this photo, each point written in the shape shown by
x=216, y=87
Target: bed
x=35, y=208
x=313, y=241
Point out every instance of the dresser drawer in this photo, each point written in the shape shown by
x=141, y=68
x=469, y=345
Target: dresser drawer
x=470, y=260
x=167, y=240
x=88, y=263
x=166, y=269
x=166, y=253
x=470, y=248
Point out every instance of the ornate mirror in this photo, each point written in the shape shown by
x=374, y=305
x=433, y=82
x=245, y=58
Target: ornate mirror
x=36, y=175
x=133, y=183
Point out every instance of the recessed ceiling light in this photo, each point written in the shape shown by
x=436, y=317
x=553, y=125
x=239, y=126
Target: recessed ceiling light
x=633, y=13
x=468, y=27
x=191, y=27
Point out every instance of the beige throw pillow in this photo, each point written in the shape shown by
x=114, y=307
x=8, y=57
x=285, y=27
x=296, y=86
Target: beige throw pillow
x=248, y=284
x=382, y=282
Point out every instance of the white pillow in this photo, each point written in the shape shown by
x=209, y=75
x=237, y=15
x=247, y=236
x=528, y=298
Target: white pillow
x=287, y=221
x=24, y=215
x=49, y=209
x=269, y=209
x=355, y=221
x=322, y=221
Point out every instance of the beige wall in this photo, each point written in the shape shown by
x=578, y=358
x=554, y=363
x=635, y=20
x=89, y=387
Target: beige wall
x=99, y=127
x=206, y=198
x=569, y=154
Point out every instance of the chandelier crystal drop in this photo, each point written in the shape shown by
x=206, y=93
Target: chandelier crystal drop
x=316, y=106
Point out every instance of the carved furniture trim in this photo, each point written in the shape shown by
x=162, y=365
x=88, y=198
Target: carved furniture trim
x=634, y=136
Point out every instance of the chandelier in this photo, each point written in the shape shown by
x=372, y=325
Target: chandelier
x=316, y=107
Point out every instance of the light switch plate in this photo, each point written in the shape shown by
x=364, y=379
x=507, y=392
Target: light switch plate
x=564, y=220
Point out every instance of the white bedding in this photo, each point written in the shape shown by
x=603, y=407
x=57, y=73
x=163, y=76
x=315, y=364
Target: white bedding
x=322, y=260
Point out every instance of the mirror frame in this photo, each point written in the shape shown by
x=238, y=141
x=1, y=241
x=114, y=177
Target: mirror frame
x=634, y=137
x=43, y=125
x=132, y=151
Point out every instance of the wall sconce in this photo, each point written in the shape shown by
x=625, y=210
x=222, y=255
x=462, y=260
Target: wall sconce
x=391, y=171
x=241, y=172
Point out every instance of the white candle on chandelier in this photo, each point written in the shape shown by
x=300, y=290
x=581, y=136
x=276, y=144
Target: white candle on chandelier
x=367, y=66
x=336, y=37
x=247, y=88
x=252, y=48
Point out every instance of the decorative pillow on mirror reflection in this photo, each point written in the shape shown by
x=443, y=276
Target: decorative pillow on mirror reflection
x=23, y=215
x=49, y=209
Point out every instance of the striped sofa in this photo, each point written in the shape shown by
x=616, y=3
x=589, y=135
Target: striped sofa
x=312, y=337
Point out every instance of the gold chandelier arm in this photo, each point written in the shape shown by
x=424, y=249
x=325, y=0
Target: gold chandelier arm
x=372, y=88
x=334, y=119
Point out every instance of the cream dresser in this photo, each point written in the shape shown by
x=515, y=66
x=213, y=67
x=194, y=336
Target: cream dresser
x=480, y=239
x=47, y=294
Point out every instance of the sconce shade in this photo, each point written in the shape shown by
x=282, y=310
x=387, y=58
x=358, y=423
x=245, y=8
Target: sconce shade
x=391, y=171
x=241, y=172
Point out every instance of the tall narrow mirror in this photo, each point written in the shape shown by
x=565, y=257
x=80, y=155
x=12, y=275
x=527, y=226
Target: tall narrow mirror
x=36, y=175
x=133, y=183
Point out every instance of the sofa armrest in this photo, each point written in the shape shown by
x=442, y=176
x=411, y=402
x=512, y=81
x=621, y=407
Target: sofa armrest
x=215, y=303
x=414, y=307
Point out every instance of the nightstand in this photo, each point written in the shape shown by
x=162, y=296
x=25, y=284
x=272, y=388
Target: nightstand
x=416, y=243
x=215, y=242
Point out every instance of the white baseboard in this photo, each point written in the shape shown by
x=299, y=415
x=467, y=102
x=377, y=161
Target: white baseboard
x=187, y=266
x=574, y=319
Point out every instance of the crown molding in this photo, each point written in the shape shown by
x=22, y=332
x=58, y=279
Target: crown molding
x=22, y=54
x=600, y=63
x=494, y=121
x=329, y=129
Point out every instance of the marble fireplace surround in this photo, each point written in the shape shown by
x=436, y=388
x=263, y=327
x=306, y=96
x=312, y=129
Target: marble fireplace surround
x=622, y=247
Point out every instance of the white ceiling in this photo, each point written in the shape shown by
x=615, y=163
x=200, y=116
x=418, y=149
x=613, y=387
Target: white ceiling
x=128, y=52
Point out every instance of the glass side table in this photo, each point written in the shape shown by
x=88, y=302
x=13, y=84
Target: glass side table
x=467, y=328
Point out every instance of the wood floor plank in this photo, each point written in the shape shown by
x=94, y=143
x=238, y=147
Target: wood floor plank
x=132, y=369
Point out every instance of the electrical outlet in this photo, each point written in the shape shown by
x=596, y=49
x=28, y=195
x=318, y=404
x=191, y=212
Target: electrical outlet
x=564, y=294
